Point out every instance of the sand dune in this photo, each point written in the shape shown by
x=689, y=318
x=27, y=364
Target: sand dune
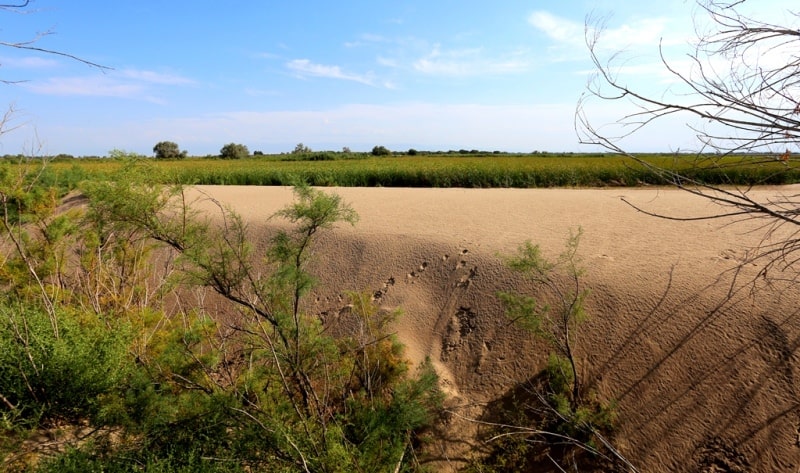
x=702, y=366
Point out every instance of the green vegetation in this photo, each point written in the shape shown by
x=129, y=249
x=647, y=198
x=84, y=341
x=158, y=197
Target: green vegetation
x=234, y=151
x=168, y=150
x=95, y=337
x=555, y=410
x=328, y=168
x=381, y=151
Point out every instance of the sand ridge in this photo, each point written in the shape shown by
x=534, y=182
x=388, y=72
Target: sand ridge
x=702, y=367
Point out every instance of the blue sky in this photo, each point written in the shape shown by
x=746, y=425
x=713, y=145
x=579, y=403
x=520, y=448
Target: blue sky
x=433, y=75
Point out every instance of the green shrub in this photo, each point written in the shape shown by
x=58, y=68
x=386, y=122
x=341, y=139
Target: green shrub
x=558, y=411
x=48, y=377
x=91, y=460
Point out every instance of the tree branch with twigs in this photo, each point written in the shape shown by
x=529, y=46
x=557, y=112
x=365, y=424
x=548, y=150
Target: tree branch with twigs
x=740, y=98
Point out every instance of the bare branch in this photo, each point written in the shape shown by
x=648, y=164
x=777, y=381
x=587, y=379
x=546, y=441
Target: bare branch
x=743, y=86
x=30, y=45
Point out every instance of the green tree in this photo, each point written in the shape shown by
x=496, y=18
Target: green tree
x=234, y=151
x=168, y=150
x=301, y=149
x=380, y=151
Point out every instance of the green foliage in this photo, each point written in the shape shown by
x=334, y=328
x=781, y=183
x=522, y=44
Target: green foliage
x=168, y=150
x=44, y=377
x=321, y=156
x=234, y=151
x=558, y=320
x=93, y=460
x=122, y=155
x=92, y=343
x=380, y=151
x=271, y=390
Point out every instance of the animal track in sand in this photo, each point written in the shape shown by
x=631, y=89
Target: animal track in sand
x=466, y=280
x=462, y=323
x=383, y=290
x=417, y=272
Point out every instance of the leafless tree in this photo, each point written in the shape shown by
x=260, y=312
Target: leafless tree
x=742, y=85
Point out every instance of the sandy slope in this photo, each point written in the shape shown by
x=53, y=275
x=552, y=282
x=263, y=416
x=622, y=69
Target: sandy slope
x=703, y=380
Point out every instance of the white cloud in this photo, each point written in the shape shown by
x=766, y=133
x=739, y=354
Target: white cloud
x=647, y=32
x=559, y=29
x=305, y=68
x=469, y=62
x=640, y=34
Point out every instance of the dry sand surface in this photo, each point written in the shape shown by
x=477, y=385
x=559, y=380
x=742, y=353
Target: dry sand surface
x=704, y=379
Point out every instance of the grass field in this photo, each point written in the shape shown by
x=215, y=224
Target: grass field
x=444, y=170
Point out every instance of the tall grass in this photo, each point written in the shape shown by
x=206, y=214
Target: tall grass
x=520, y=171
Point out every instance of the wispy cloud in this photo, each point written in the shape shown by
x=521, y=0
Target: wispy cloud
x=305, y=68
x=560, y=29
x=469, y=62
x=29, y=62
x=387, y=62
x=366, y=39
x=127, y=83
x=155, y=77
x=95, y=86
x=266, y=55
x=641, y=32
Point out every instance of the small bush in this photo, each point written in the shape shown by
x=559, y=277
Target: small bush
x=45, y=377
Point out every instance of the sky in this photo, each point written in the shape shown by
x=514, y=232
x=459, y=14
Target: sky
x=422, y=74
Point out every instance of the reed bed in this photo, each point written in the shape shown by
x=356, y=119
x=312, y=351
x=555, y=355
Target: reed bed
x=519, y=171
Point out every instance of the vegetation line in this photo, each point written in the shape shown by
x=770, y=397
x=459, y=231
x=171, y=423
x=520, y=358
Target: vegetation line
x=538, y=170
